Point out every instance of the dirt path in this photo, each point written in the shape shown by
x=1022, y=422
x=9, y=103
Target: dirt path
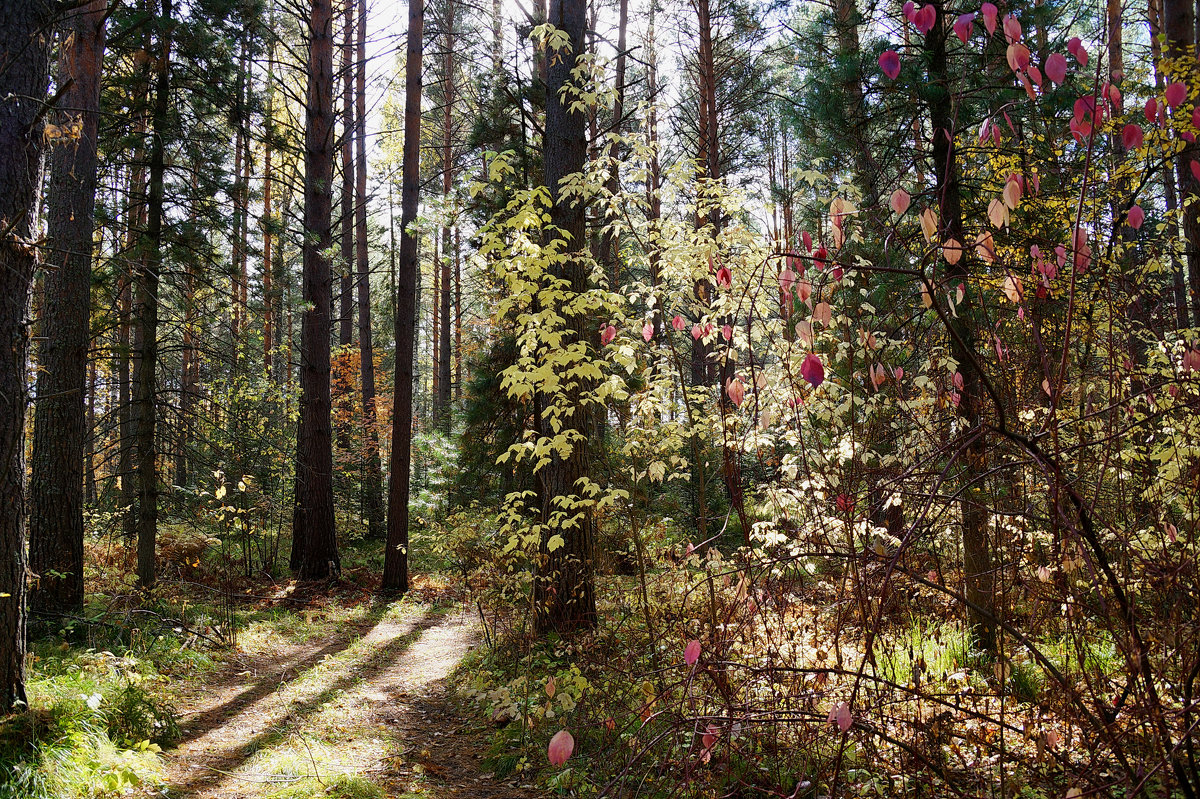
x=367, y=713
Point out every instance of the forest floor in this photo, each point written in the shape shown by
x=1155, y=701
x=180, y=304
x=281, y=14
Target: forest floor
x=337, y=701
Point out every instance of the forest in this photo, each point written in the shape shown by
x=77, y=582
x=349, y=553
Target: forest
x=613, y=398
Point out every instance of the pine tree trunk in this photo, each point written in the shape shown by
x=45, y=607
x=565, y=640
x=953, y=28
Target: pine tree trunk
x=976, y=543
x=373, y=490
x=345, y=301
x=563, y=586
x=314, y=541
x=24, y=78
x=395, y=561
x=441, y=412
x=146, y=311
x=59, y=429
x=1179, y=25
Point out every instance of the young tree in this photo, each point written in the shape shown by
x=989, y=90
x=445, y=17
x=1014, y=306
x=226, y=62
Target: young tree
x=395, y=561
x=60, y=427
x=24, y=78
x=314, y=540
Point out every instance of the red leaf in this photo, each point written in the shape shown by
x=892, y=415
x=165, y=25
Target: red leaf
x=787, y=279
x=924, y=19
x=1135, y=217
x=989, y=12
x=1196, y=117
x=1151, y=110
x=1073, y=45
x=1012, y=28
x=1176, y=94
x=1056, y=68
x=647, y=331
x=1131, y=137
x=697, y=332
x=806, y=240
x=963, y=26
x=727, y=332
x=561, y=747
x=1195, y=167
x=724, y=277
x=840, y=716
x=677, y=322
x=889, y=62
x=607, y=335
x=691, y=652
x=812, y=370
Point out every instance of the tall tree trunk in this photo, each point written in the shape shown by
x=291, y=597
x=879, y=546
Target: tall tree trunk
x=441, y=412
x=1178, y=276
x=135, y=223
x=395, y=561
x=89, y=438
x=606, y=254
x=146, y=309
x=268, y=221
x=458, y=384
x=346, y=287
x=59, y=431
x=314, y=540
x=24, y=78
x=373, y=490
x=563, y=586
x=977, y=550
x=1179, y=25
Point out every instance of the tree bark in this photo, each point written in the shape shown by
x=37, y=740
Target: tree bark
x=441, y=413
x=346, y=286
x=24, y=78
x=373, y=489
x=1179, y=25
x=395, y=562
x=563, y=586
x=146, y=310
x=59, y=426
x=314, y=541
x=977, y=551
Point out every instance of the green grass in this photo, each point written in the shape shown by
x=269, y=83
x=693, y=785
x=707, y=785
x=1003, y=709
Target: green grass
x=942, y=647
x=93, y=728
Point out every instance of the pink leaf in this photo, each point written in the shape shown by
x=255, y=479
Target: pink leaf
x=710, y=736
x=724, y=277
x=1135, y=217
x=900, y=200
x=727, y=332
x=812, y=370
x=1151, y=110
x=647, y=331
x=1196, y=117
x=736, y=391
x=1056, y=68
x=924, y=19
x=819, y=257
x=840, y=716
x=1176, y=94
x=1018, y=56
x=806, y=240
x=787, y=279
x=677, y=322
x=1073, y=45
x=607, y=335
x=909, y=8
x=697, y=332
x=691, y=652
x=989, y=12
x=561, y=747
x=963, y=25
x=804, y=290
x=1195, y=167
x=1131, y=137
x=899, y=373
x=889, y=62
x=1012, y=28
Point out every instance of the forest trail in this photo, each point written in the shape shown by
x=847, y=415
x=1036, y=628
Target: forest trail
x=368, y=713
